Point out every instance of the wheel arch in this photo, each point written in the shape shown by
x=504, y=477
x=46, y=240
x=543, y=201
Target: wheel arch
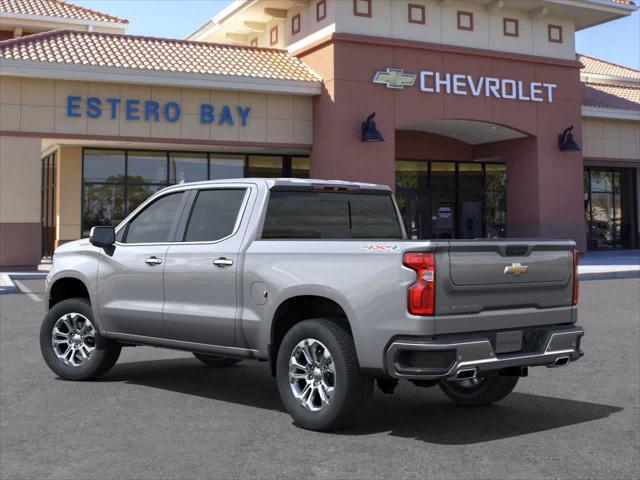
x=296, y=309
x=67, y=287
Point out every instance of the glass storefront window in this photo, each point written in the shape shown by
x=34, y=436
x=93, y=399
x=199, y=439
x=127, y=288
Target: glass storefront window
x=103, y=204
x=115, y=182
x=300, y=167
x=495, y=210
x=610, y=207
x=412, y=195
x=187, y=167
x=470, y=193
x=264, y=166
x=443, y=199
x=147, y=167
x=226, y=166
x=103, y=166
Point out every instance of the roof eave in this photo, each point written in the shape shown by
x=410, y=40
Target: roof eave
x=66, y=71
x=6, y=16
x=225, y=13
x=610, y=113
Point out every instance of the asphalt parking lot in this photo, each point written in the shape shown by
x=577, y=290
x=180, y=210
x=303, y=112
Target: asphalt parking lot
x=162, y=414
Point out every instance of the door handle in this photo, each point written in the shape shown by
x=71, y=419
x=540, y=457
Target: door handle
x=222, y=262
x=153, y=261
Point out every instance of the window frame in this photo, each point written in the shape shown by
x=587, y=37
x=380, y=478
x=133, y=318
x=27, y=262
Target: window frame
x=551, y=27
x=420, y=8
x=462, y=13
x=513, y=21
x=273, y=41
x=367, y=14
x=183, y=224
x=296, y=23
x=321, y=5
x=141, y=209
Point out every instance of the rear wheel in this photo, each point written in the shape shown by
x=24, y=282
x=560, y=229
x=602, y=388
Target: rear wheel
x=479, y=390
x=71, y=344
x=215, y=360
x=319, y=377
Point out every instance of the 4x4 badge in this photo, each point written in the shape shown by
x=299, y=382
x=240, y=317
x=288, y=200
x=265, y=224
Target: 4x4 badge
x=395, y=78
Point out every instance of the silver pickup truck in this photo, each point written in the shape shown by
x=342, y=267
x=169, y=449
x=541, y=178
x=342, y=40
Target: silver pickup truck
x=319, y=279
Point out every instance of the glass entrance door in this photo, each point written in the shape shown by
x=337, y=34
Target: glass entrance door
x=610, y=207
x=451, y=199
x=47, y=205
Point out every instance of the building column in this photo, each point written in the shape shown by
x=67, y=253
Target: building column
x=68, y=194
x=20, y=227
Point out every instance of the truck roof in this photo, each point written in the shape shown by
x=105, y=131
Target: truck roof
x=293, y=182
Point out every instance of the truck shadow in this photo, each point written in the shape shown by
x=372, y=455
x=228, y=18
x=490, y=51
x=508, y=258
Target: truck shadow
x=412, y=412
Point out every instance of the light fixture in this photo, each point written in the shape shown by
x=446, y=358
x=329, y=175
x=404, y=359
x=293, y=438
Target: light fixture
x=566, y=143
x=370, y=132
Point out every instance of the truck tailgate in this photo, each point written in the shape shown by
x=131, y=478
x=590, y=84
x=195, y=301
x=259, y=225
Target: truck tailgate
x=492, y=285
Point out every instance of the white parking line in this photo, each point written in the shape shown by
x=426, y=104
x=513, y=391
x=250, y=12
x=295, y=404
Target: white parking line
x=25, y=290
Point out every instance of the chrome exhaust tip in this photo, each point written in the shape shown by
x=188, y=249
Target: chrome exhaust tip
x=466, y=373
x=562, y=361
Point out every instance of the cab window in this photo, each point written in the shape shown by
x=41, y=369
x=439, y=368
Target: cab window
x=214, y=214
x=156, y=223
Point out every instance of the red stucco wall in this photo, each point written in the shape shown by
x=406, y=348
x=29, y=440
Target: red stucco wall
x=544, y=185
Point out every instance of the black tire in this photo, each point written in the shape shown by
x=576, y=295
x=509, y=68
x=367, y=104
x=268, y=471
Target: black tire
x=216, y=361
x=489, y=390
x=351, y=391
x=100, y=361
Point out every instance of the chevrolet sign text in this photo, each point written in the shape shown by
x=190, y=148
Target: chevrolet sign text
x=459, y=84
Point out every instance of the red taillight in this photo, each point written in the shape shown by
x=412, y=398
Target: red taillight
x=422, y=294
x=576, y=283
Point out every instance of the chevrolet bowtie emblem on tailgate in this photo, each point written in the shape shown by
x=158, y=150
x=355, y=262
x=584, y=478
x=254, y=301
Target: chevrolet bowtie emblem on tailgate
x=395, y=78
x=516, y=269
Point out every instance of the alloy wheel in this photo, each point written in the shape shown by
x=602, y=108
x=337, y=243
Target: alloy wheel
x=312, y=374
x=73, y=339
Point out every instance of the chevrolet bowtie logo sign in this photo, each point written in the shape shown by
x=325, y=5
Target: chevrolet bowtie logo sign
x=394, y=78
x=516, y=269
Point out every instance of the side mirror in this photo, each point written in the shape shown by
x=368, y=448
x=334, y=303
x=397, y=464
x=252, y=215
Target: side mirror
x=103, y=237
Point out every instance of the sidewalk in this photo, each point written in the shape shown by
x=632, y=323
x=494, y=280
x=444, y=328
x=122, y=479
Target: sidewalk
x=609, y=264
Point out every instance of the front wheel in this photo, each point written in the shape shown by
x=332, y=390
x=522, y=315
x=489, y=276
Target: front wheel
x=478, y=390
x=319, y=377
x=71, y=344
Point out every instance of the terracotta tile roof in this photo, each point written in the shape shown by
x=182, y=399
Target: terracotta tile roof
x=56, y=8
x=611, y=96
x=601, y=67
x=157, y=54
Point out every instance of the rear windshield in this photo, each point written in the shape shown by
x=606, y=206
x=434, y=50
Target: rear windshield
x=309, y=215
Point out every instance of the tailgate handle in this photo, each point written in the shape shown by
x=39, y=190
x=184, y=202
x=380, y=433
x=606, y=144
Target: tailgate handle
x=516, y=250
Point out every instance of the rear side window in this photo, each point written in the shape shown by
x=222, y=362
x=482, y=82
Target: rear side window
x=156, y=222
x=331, y=215
x=214, y=215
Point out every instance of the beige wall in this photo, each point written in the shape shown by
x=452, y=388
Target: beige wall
x=19, y=200
x=34, y=105
x=68, y=193
x=20, y=171
x=608, y=138
x=390, y=19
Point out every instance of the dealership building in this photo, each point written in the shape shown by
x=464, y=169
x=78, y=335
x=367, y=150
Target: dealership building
x=487, y=122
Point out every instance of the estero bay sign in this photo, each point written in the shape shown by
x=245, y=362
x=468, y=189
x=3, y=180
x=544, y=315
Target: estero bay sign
x=152, y=110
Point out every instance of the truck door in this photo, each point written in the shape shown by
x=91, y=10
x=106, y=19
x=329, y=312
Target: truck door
x=130, y=279
x=201, y=270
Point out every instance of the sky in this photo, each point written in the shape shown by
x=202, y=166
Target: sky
x=617, y=42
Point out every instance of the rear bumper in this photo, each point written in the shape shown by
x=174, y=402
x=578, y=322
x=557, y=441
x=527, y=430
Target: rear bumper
x=446, y=357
